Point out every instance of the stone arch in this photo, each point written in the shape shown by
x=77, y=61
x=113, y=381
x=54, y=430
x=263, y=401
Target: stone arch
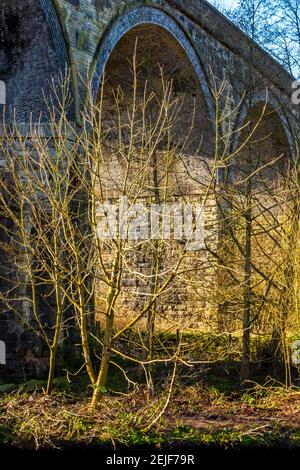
x=33, y=53
x=261, y=99
x=159, y=31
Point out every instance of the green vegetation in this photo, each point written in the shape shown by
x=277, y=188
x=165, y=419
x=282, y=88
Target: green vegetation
x=197, y=415
x=203, y=410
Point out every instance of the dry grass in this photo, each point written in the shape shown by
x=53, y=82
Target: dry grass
x=64, y=419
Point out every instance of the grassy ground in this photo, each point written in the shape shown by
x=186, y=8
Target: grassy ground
x=196, y=414
x=206, y=407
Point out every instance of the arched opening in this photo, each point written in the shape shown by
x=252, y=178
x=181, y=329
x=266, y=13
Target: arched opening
x=158, y=53
x=264, y=142
x=256, y=206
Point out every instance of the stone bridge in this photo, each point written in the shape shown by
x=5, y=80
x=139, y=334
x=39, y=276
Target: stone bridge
x=41, y=39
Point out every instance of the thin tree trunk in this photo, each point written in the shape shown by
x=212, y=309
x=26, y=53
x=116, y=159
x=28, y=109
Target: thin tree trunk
x=245, y=364
x=108, y=334
x=106, y=355
x=58, y=319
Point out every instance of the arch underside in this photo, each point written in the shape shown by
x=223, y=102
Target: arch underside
x=263, y=147
x=162, y=50
x=158, y=34
x=147, y=16
x=274, y=112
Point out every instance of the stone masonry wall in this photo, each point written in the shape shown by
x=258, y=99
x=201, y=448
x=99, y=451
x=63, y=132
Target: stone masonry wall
x=39, y=38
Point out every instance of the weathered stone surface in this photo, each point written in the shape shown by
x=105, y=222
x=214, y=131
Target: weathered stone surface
x=31, y=55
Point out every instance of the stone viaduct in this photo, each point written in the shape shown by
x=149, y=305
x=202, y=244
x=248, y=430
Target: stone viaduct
x=40, y=39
